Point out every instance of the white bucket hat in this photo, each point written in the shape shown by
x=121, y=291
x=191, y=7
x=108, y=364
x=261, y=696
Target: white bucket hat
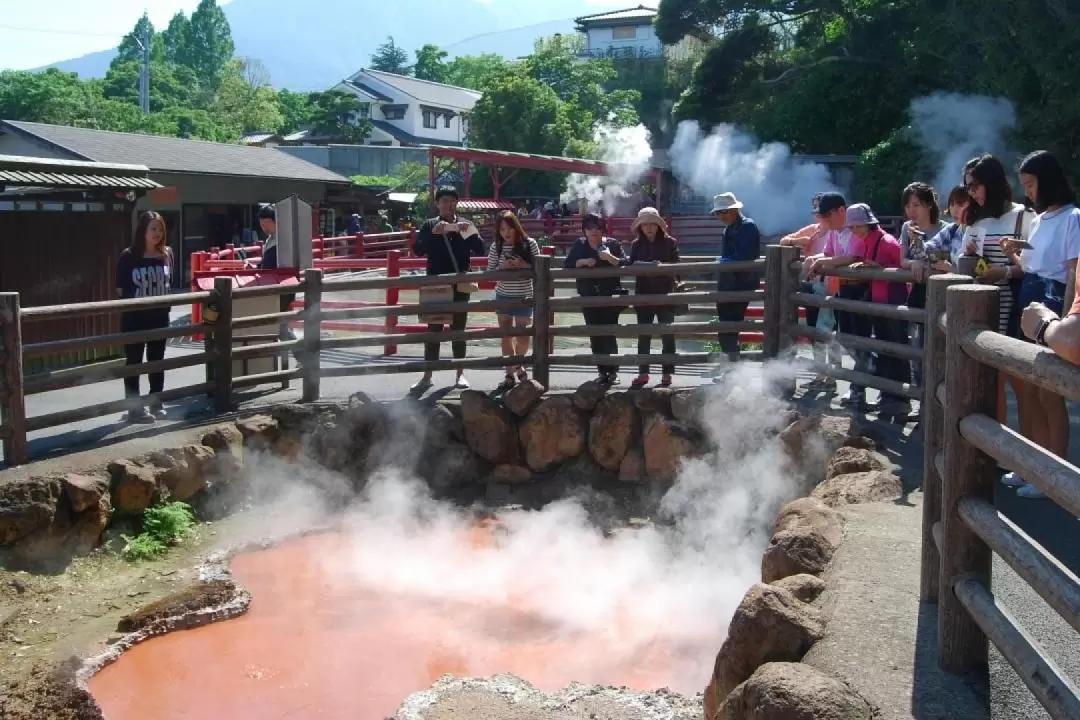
x=648, y=215
x=725, y=201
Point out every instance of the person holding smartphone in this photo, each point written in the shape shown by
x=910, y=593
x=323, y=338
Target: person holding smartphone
x=513, y=249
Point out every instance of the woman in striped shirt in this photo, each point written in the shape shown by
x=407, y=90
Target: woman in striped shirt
x=512, y=249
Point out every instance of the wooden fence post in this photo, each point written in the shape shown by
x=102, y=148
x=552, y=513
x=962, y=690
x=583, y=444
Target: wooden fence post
x=312, y=365
x=393, y=296
x=789, y=312
x=223, y=345
x=542, y=288
x=14, y=405
x=971, y=388
x=933, y=419
x=773, y=311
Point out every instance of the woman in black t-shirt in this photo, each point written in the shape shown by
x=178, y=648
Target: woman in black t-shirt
x=144, y=270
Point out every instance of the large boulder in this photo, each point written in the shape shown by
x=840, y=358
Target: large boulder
x=813, y=514
x=510, y=475
x=847, y=460
x=553, y=433
x=687, y=405
x=489, y=428
x=611, y=431
x=859, y=487
x=796, y=552
x=134, y=485
x=84, y=491
x=794, y=691
x=445, y=425
x=807, y=588
x=450, y=467
x=523, y=397
x=811, y=441
x=27, y=506
x=666, y=443
x=588, y=395
x=653, y=400
x=67, y=535
x=632, y=467
x=299, y=419
x=260, y=432
x=770, y=625
x=184, y=470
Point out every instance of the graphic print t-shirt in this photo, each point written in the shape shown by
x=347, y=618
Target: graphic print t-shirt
x=142, y=277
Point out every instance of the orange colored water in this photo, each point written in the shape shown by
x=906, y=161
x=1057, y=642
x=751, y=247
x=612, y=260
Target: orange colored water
x=315, y=645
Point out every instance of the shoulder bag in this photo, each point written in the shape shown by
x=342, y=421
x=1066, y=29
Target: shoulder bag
x=443, y=294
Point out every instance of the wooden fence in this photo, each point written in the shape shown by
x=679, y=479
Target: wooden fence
x=961, y=528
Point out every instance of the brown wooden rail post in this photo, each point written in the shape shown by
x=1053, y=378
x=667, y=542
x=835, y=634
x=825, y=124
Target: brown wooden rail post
x=14, y=406
x=312, y=366
x=774, y=300
x=222, y=344
x=788, y=312
x=971, y=388
x=933, y=418
x=542, y=320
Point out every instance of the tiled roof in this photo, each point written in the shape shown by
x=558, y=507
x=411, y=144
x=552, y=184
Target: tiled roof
x=66, y=174
x=427, y=92
x=366, y=92
x=641, y=12
x=404, y=137
x=174, y=155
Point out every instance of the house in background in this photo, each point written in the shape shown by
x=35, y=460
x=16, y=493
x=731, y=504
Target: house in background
x=621, y=33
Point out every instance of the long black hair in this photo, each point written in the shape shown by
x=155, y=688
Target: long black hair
x=1053, y=186
x=138, y=240
x=927, y=196
x=522, y=241
x=989, y=172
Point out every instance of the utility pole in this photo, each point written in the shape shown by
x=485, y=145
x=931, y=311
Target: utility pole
x=144, y=74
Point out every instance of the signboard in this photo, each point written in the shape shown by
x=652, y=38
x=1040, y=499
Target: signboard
x=293, y=233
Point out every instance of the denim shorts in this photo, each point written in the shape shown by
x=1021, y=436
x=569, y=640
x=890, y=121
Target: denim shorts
x=525, y=311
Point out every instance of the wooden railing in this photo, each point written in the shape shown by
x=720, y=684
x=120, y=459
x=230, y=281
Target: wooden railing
x=961, y=528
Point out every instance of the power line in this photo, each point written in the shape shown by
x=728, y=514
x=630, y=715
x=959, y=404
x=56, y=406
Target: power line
x=80, y=33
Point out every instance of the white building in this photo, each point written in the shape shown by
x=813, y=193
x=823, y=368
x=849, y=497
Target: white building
x=625, y=33
x=407, y=111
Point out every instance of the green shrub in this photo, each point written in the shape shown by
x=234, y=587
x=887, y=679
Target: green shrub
x=162, y=527
x=884, y=170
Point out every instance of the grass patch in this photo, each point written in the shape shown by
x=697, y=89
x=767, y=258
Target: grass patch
x=163, y=526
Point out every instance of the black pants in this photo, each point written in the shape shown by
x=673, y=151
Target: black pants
x=850, y=323
x=662, y=315
x=603, y=344
x=888, y=366
x=733, y=311
x=457, y=323
x=811, y=311
x=152, y=351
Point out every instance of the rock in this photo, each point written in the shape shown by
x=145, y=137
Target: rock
x=687, y=405
x=553, y=433
x=770, y=625
x=134, y=485
x=794, y=691
x=859, y=487
x=225, y=439
x=27, y=506
x=444, y=425
x=811, y=441
x=260, y=431
x=632, y=467
x=330, y=444
x=805, y=587
x=588, y=394
x=524, y=397
x=796, y=552
x=653, y=400
x=847, y=460
x=68, y=535
x=814, y=514
x=365, y=427
x=184, y=470
x=611, y=431
x=299, y=419
x=84, y=491
x=665, y=443
x=452, y=467
x=510, y=475
x=489, y=428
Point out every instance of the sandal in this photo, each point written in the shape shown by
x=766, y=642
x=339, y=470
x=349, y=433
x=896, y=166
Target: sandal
x=640, y=381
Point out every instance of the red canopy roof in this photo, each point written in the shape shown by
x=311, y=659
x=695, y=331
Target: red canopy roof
x=467, y=206
x=524, y=161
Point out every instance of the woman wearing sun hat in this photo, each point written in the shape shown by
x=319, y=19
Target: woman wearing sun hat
x=653, y=245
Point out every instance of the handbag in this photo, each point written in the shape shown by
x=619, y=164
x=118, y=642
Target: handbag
x=468, y=287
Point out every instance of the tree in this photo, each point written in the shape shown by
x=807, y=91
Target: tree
x=207, y=43
x=474, y=71
x=170, y=85
x=430, y=63
x=130, y=48
x=388, y=57
x=296, y=111
x=245, y=101
x=336, y=114
x=50, y=96
x=174, y=39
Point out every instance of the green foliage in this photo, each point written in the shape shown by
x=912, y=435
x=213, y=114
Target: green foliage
x=163, y=526
x=474, y=71
x=337, y=114
x=430, y=63
x=207, y=44
x=296, y=111
x=245, y=101
x=885, y=169
x=388, y=57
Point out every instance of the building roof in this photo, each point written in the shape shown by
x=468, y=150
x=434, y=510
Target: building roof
x=172, y=155
x=366, y=92
x=21, y=171
x=257, y=138
x=640, y=15
x=425, y=91
x=503, y=158
x=403, y=137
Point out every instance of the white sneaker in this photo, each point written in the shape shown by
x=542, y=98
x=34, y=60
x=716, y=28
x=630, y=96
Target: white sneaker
x=1012, y=480
x=461, y=383
x=1031, y=492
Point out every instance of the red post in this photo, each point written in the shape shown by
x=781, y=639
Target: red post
x=393, y=296
x=318, y=248
x=358, y=245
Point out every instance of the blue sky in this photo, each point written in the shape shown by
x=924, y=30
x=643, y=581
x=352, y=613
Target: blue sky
x=79, y=27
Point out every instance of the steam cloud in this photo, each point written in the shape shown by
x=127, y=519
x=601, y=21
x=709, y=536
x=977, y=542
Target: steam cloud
x=954, y=128
x=669, y=586
x=628, y=154
x=775, y=186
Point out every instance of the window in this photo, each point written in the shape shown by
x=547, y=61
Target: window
x=394, y=112
x=364, y=111
x=431, y=119
x=446, y=121
x=624, y=33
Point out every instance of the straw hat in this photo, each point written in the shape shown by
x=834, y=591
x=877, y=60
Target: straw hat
x=648, y=215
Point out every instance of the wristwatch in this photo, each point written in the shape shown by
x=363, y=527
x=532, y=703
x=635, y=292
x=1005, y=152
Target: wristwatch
x=1040, y=333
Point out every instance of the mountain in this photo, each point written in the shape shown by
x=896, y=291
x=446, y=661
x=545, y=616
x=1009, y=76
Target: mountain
x=314, y=44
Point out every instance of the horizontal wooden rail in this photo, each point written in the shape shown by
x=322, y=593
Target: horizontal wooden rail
x=707, y=329
x=66, y=312
x=247, y=352
x=87, y=375
x=1035, y=364
x=858, y=342
x=413, y=282
x=89, y=412
x=861, y=378
x=380, y=368
x=897, y=275
x=1049, y=685
x=423, y=309
x=267, y=378
x=424, y=337
x=1054, y=476
x=1049, y=578
x=578, y=303
x=246, y=293
x=861, y=307
x=649, y=270
x=252, y=321
x=629, y=360
x=61, y=347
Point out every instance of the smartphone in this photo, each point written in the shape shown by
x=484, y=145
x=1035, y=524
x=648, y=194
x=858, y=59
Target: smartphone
x=1022, y=244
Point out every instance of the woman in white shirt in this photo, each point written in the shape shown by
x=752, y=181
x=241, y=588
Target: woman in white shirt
x=1049, y=278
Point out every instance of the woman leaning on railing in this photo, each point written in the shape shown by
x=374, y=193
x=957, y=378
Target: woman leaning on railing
x=653, y=245
x=512, y=249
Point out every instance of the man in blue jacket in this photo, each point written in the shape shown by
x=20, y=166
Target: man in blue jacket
x=741, y=243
